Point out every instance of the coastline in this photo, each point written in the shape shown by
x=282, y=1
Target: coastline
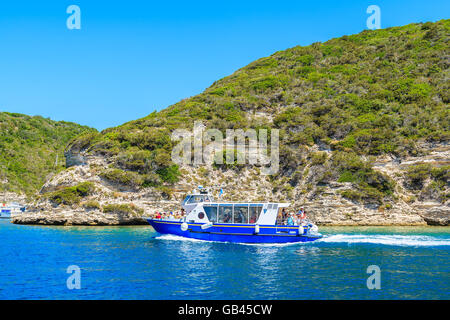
x=97, y=218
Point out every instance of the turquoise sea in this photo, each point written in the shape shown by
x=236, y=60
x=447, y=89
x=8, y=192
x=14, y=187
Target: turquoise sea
x=137, y=263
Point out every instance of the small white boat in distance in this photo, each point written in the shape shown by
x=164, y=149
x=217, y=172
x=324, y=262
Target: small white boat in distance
x=6, y=210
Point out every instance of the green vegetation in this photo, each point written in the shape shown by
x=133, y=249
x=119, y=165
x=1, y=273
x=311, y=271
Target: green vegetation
x=124, y=209
x=416, y=175
x=31, y=149
x=368, y=184
x=91, y=205
x=71, y=195
x=128, y=178
x=373, y=93
x=318, y=158
x=430, y=181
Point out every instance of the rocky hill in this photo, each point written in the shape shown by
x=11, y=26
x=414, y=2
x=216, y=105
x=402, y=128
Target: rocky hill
x=364, y=136
x=31, y=150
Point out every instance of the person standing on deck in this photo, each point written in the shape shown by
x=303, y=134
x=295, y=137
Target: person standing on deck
x=296, y=220
x=302, y=214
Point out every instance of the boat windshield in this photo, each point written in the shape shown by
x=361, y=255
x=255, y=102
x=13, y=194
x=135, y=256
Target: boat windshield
x=196, y=198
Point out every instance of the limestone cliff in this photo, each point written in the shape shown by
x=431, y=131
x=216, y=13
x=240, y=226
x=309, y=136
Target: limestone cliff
x=325, y=206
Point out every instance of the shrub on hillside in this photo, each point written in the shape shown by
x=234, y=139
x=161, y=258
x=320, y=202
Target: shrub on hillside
x=126, y=178
x=91, y=205
x=71, y=195
x=123, y=209
x=416, y=175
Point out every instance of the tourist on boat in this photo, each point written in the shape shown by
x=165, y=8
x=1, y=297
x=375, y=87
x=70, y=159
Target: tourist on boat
x=227, y=217
x=296, y=220
x=158, y=215
x=290, y=220
x=283, y=214
x=301, y=216
x=239, y=217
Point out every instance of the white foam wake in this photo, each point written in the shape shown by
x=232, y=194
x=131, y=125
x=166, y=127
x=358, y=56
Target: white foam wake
x=392, y=240
x=179, y=238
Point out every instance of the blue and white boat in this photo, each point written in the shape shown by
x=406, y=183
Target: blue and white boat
x=12, y=208
x=241, y=222
x=5, y=212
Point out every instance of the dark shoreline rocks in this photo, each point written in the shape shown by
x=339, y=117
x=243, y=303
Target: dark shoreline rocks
x=436, y=219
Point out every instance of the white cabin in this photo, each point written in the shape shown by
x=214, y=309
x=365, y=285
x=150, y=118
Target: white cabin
x=196, y=197
x=236, y=213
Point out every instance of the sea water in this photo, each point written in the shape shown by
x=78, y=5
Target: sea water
x=137, y=263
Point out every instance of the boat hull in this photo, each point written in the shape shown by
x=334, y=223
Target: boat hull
x=239, y=233
x=5, y=214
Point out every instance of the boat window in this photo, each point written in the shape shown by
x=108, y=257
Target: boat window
x=211, y=212
x=196, y=199
x=186, y=200
x=255, y=211
x=240, y=214
x=225, y=213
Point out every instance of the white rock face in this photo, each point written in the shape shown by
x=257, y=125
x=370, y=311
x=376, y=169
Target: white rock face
x=7, y=197
x=323, y=204
x=77, y=217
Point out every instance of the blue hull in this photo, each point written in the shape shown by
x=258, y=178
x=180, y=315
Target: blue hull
x=240, y=233
x=5, y=214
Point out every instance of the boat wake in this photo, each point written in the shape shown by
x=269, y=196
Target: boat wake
x=179, y=238
x=390, y=240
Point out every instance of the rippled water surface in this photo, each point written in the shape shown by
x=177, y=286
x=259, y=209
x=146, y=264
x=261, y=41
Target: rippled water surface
x=137, y=263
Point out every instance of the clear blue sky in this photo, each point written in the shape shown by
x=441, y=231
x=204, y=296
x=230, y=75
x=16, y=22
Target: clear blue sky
x=133, y=57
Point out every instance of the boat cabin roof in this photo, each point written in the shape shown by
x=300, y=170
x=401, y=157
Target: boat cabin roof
x=251, y=204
